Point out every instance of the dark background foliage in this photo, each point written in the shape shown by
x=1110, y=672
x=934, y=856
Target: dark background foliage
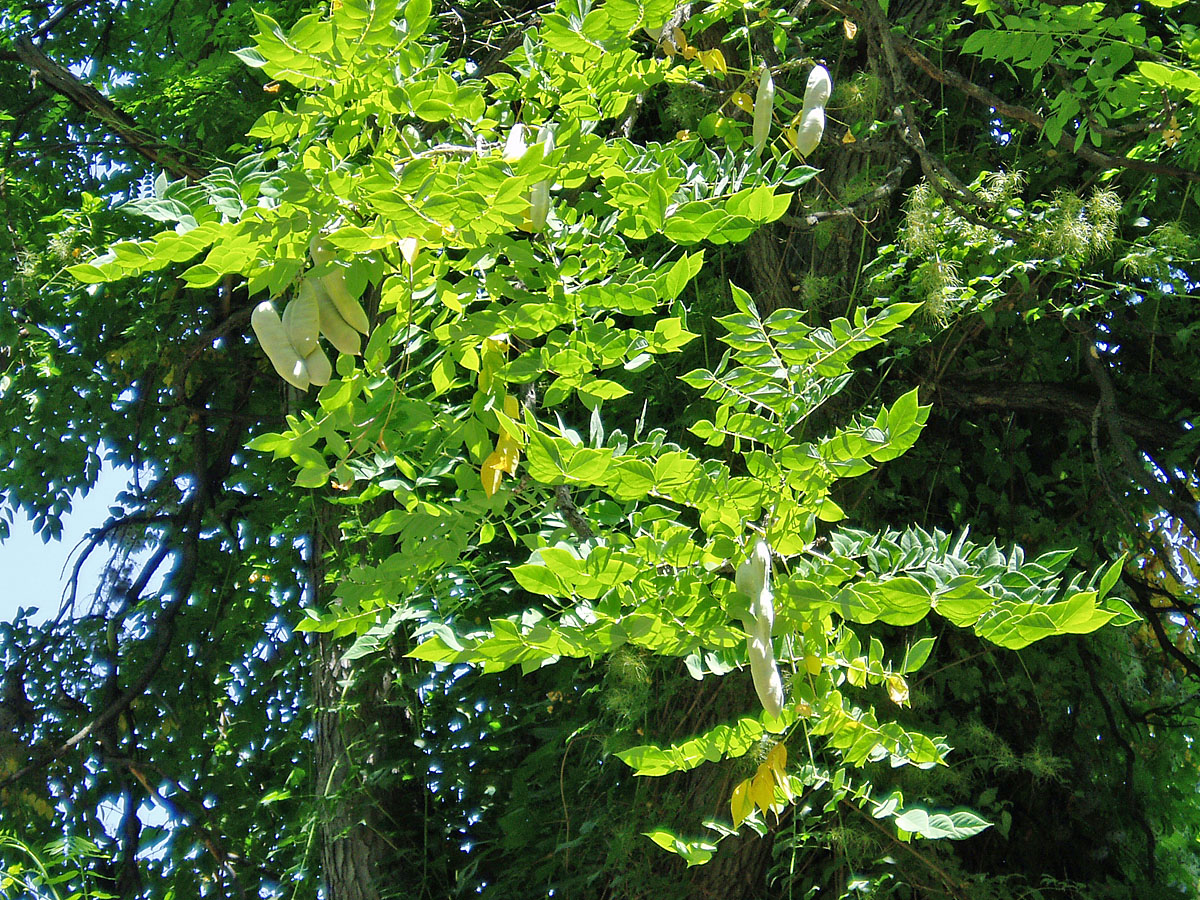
x=183, y=680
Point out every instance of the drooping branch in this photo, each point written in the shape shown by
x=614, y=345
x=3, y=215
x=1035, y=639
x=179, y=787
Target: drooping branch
x=180, y=585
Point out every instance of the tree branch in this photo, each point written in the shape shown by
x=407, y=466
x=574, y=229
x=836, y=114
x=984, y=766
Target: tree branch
x=1053, y=399
x=1065, y=143
x=889, y=186
x=91, y=101
x=1134, y=467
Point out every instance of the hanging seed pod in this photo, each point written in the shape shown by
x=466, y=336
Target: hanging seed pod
x=273, y=339
x=349, y=307
x=301, y=319
x=539, y=194
x=334, y=285
x=808, y=134
x=753, y=579
x=515, y=146
x=764, y=107
x=318, y=366
x=320, y=252
x=336, y=330
x=820, y=86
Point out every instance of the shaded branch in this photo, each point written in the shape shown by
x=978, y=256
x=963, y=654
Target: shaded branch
x=1134, y=467
x=91, y=101
x=570, y=513
x=1053, y=399
x=889, y=186
x=180, y=585
x=1131, y=798
x=1019, y=113
x=1150, y=613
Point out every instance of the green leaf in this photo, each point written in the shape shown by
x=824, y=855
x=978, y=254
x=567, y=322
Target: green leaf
x=416, y=16
x=916, y=655
x=957, y=824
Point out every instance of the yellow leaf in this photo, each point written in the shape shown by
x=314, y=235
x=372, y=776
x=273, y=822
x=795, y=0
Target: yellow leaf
x=1172, y=133
x=679, y=38
x=491, y=474
x=493, y=354
x=777, y=758
x=507, y=454
x=742, y=101
x=512, y=407
x=741, y=805
x=762, y=788
x=850, y=28
x=848, y=137
x=689, y=53
x=777, y=761
x=897, y=689
x=714, y=61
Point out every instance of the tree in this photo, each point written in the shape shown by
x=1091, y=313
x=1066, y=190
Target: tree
x=447, y=508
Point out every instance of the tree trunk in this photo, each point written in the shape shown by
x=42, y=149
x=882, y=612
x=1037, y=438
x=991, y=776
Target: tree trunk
x=350, y=846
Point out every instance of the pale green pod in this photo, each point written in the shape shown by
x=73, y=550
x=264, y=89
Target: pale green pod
x=539, y=193
x=336, y=330
x=319, y=368
x=515, y=146
x=301, y=319
x=320, y=252
x=273, y=339
x=764, y=107
x=820, y=86
x=539, y=206
x=808, y=133
x=346, y=303
x=768, y=683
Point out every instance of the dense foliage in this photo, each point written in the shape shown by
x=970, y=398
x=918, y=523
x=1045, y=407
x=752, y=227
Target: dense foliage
x=656, y=423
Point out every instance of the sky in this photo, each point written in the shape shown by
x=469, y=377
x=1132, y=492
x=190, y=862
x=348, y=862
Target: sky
x=32, y=572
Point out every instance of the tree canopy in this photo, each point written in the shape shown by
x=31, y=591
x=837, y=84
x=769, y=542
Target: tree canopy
x=605, y=449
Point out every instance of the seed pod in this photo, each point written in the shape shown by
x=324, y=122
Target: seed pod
x=539, y=206
x=334, y=327
x=808, y=135
x=319, y=369
x=515, y=146
x=818, y=90
x=767, y=682
x=320, y=252
x=349, y=307
x=753, y=579
x=301, y=319
x=272, y=337
x=408, y=249
x=764, y=106
x=539, y=194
